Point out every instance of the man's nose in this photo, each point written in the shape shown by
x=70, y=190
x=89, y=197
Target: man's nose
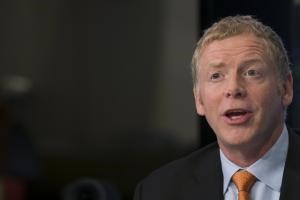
x=235, y=88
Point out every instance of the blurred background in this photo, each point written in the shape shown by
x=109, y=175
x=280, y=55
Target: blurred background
x=94, y=95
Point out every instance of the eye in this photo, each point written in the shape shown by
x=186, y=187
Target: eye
x=216, y=76
x=252, y=73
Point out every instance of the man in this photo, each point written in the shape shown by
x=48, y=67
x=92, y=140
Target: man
x=242, y=85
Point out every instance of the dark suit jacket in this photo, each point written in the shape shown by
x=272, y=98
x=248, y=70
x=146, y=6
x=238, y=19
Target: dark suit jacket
x=199, y=176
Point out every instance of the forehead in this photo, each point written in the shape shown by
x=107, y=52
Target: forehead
x=235, y=47
x=236, y=44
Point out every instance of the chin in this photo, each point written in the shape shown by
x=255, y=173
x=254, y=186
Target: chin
x=237, y=141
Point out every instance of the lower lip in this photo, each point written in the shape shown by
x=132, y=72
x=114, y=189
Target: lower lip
x=237, y=120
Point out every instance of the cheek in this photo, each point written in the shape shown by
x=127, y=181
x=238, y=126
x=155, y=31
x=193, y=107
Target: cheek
x=269, y=99
x=211, y=101
x=206, y=101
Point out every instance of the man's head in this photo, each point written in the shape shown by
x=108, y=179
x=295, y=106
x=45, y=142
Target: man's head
x=242, y=83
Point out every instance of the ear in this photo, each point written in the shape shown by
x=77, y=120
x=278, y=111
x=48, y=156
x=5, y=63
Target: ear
x=198, y=102
x=287, y=92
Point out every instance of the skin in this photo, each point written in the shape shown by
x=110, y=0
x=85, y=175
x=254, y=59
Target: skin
x=242, y=97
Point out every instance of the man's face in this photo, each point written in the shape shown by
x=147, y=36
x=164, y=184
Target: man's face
x=240, y=94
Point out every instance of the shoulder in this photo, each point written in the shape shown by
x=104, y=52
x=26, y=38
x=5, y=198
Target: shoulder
x=197, y=159
x=294, y=137
x=294, y=131
x=291, y=177
x=293, y=149
x=183, y=174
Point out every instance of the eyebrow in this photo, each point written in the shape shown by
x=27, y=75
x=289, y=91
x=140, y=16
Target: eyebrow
x=251, y=61
x=216, y=65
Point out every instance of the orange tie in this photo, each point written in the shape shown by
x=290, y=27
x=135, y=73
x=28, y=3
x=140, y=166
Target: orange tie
x=243, y=180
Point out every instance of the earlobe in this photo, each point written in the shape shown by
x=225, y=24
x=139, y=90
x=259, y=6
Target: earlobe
x=198, y=102
x=287, y=95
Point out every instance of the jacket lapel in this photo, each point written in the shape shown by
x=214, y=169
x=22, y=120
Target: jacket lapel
x=291, y=176
x=208, y=172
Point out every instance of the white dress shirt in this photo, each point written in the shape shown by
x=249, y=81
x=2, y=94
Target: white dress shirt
x=268, y=171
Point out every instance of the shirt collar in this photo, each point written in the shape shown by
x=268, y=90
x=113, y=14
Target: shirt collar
x=268, y=169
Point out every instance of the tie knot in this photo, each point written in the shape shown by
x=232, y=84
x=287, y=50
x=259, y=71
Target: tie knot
x=243, y=180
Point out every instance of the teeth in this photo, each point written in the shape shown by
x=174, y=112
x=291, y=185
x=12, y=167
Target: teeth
x=235, y=114
x=234, y=117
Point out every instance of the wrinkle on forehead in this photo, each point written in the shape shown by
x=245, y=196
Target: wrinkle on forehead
x=221, y=50
x=226, y=46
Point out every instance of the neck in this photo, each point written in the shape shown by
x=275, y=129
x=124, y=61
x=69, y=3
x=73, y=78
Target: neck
x=245, y=155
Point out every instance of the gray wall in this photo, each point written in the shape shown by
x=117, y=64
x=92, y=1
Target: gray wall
x=103, y=72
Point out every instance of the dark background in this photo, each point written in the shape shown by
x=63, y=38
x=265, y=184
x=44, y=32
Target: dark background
x=95, y=89
x=101, y=90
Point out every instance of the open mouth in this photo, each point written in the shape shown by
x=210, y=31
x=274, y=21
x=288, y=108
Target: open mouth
x=237, y=116
x=235, y=113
